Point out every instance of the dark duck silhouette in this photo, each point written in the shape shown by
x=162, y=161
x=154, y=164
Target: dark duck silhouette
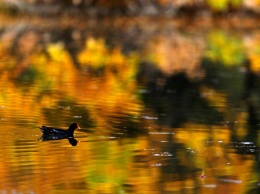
x=52, y=133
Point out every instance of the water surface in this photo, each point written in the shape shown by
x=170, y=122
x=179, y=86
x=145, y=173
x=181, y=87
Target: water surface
x=171, y=111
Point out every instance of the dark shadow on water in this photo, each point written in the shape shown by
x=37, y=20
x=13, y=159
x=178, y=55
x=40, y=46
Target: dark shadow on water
x=65, y=109
x=176, y=99
x=71, y=140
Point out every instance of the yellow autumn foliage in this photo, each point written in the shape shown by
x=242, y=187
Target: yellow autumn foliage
x=215, y=98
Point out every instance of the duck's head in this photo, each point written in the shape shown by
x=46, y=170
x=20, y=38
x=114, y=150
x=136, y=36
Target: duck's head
x=74, y=126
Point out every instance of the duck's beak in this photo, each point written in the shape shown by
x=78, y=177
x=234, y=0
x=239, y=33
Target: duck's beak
x=78, y=127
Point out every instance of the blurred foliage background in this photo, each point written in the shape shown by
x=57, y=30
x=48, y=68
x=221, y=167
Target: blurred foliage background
x=174, y=82
x=132, y=7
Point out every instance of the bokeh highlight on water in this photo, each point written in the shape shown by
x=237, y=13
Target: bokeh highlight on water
x=171, y=111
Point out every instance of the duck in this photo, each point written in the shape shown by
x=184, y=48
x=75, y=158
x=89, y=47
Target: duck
x=57, y=133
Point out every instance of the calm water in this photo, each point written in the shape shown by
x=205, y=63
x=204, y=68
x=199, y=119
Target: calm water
x=158, y=114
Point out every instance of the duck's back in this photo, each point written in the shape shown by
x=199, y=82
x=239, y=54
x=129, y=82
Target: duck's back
x=53, y=131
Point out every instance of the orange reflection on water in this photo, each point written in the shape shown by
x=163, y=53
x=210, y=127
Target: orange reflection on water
x=126, y=145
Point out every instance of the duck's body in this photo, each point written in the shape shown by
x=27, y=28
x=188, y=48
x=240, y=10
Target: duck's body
x=56, y=133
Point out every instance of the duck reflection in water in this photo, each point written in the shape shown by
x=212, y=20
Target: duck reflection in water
x=52, y=133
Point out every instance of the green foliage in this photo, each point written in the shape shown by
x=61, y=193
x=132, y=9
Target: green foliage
x=223, y=5
x=29, y=76
x=224, y=49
